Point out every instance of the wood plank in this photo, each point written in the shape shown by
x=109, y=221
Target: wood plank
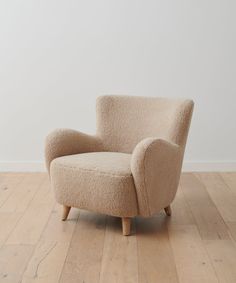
x=30, y=226
x=119, y=260
x=13, y=261
x=191, y=259
x=46, y=264
x=221, y=194
x=181, y=212
x=83, y=262
x=232, y=229
x=164, y=249
x=209, y=221
x=8, y=184
x=223, y=258
x=8, y=221
x=13, y=209
x=3, y=188
x=230, y=179
x=24, y=193
x=155, y=257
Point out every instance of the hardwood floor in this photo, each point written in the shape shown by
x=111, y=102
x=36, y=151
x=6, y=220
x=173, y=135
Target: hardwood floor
x=196, y=244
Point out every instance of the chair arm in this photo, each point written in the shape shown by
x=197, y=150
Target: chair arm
x=156, y=167
x=63, y=142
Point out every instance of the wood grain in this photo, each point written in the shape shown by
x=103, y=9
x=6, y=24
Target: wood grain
x=119, y=261
x=30, y=226
x=13, y=261
x=221, y=195
x=196, y=244
x=223, y=258
x=191, y=259
x=208, y=219
x=47, y=261
x=13, y=207
x=83, y=262
x=23, y=193
x=155, y=257
x=182, y=213
x=8, y=184
x=230, y=180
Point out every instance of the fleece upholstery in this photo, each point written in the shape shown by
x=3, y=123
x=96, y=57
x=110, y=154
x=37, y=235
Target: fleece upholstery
x=133, y=163
x=155, y=166
x=63, y=142
x=123, y=121
x=99, y=181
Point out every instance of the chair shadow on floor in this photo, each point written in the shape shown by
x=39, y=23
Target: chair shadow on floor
x=140, y=225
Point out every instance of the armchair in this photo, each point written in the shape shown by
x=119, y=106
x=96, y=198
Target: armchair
x=130, y=167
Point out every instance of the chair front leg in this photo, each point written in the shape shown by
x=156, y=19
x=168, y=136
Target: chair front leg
x=126, y=226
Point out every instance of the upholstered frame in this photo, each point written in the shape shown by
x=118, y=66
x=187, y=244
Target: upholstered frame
x=152, y=130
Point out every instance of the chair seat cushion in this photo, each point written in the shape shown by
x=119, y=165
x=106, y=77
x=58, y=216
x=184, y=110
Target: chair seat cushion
x=97, y=181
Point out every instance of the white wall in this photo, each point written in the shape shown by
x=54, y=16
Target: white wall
x=57, y=56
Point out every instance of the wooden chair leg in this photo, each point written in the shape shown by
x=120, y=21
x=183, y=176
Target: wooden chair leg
x=126, y=225
x=168, y=210
x=66, y=210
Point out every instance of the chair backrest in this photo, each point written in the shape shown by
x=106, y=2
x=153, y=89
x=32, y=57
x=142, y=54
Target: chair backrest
x=123, y=121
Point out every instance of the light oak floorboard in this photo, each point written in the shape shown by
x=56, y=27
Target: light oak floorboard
x=223, y=258
x=232, y=229
x=12, y=208
x=155, y=257
x=221, y=194
x=230, y=180
x=13, y=261
x=46, y=264
x=196, y=244
x=208, y=219
x=83, y=262
x=23, y=193
x=192, y=262
x=8, y=184
x=120, y=260
x=8, y=221
x=30, y=226
x=181, y=212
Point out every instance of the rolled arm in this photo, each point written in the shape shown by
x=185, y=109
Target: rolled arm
x=156, y=166
x=63, y=142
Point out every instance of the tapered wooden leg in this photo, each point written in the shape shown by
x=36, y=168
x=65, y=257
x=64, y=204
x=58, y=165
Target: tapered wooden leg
x=126, y=225
x=66, y=210
x=168, y=210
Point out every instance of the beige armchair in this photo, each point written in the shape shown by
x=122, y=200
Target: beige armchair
x=130, y=167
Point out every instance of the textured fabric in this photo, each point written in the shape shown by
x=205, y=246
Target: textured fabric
x=156, y=166
x=63, y=142
x=123, y=121
x=112, y=163
x=151, y=131
x=100, y=181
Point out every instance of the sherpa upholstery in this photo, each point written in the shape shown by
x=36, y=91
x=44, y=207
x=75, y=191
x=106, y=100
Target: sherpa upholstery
x=133, y=163
x=95, y=181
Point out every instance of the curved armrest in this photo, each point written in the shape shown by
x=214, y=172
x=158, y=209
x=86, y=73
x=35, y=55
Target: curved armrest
x=63, y=142
x=156, y=167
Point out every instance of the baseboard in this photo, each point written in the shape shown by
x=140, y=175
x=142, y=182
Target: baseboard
x=188, y=166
